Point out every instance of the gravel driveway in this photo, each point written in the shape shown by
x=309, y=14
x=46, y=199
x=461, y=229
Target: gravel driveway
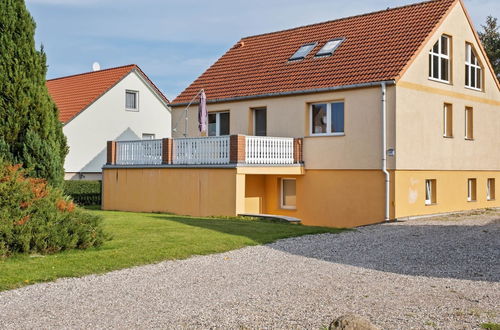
x=419, y=274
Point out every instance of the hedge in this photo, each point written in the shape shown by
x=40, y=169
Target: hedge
x=84, y=192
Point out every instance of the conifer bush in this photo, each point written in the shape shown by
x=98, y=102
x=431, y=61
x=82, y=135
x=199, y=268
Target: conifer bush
x=37, y=218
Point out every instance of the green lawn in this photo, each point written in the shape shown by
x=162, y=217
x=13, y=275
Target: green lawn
x=143, y=238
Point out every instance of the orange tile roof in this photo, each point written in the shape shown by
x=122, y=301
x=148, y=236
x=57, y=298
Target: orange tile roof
x=377, y=47
x=73, y=94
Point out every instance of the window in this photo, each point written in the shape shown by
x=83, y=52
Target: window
x=148, y=136
x=430, y=192
x=490, y=189
x=329, y=47
x=439, y=60
x=288, y=194
x=260, y=121
x=471, y=190
x=327, y=118
x=131, y=100
x=218, y=123
x=302, y=51
x=448, y=120
x=469, y=123
x=473, y=70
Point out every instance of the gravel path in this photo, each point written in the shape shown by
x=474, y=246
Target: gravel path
x=417, y=274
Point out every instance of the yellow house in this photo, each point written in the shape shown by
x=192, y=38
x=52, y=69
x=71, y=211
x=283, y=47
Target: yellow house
x=386, y=115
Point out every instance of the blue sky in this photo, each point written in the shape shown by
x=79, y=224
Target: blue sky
x=174, y=41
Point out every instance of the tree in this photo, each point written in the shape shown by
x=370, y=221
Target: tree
x=490, y=37
x=30, y=131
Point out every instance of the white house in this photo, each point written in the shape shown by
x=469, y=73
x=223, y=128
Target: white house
x=113, y=104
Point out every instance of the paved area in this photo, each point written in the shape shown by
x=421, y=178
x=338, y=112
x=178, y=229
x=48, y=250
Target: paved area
x=440, y=273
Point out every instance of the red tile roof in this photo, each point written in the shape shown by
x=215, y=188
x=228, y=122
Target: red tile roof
x=377, y=47
x=73, y=94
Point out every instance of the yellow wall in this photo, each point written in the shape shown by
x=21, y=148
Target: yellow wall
x=420, y=144
x=325, y=197
x=183, y=191
x=289, y=116
x=451, y=189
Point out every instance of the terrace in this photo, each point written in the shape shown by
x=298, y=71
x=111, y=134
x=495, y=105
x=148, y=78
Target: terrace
x=213, y=151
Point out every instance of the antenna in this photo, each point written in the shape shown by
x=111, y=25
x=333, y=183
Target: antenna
x=96, y=66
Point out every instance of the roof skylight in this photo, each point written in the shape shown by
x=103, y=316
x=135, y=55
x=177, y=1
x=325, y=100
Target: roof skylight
x=303, y=51
x=329, y=47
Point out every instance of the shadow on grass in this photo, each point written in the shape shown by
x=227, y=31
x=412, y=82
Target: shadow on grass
x=445, y=251
x=260, y=231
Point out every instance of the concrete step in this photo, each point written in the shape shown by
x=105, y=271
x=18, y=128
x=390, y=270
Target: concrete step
x=273, y=217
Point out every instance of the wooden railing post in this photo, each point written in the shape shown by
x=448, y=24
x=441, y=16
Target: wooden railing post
x=111, y=153
x=297, y=150
x=237, y=149
x=166, y=154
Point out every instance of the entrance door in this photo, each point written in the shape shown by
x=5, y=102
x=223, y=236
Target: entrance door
x=260, y=121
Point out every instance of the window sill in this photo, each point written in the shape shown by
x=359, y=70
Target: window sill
x=448, y=137
x=430, y=204
x=472, y=201
x=474, y=89
x=326, y=134
x=490, y=200
x=289, y=208
x=133, y=110
x=469, y=139
x=440, y=81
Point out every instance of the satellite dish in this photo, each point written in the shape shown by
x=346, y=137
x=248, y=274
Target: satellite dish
x=96, y=66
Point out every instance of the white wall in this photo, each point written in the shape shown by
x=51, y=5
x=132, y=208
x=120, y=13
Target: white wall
x=106, y=119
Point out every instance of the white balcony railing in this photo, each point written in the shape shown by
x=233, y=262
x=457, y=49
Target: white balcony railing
x=268, y=150
x=143, y=152
x=213, y=150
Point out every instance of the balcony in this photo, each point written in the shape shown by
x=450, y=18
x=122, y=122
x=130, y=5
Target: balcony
x=214, y=151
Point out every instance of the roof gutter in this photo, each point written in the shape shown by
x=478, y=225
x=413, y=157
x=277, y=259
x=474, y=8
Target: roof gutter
x=305, y=91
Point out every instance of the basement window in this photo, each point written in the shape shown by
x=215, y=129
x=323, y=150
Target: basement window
x=329, y=47
x=302, y=52
x=288, y=194
x=490, y=192
x=471, y=190
x=430, y=192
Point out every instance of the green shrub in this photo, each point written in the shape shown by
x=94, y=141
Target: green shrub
x=84, y=192
x=37, y=218
x=74, y=187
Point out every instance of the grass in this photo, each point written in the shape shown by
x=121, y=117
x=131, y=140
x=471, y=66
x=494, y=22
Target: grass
x=490, y=326
x=145, y=238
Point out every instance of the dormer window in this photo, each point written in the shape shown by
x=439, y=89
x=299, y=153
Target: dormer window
x=439, y=60
x=302, y=52
x=473, y=70
x=329, y=47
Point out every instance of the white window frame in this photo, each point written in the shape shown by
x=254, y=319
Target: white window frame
x=441, y=57
x=287, y=207
x=469, y=50
x=469, y=189
x=328, y=119
x=217, y=122
x=136, y=100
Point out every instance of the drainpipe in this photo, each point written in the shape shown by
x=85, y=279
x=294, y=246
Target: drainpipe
x=384, y=151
